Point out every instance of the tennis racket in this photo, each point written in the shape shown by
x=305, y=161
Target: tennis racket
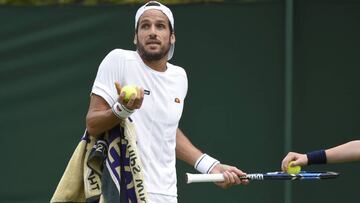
x=277, y=175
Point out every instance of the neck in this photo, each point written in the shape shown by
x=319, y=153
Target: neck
x=158, y=65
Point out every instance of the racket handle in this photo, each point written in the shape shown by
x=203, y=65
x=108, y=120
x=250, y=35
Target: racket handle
x=201, y=178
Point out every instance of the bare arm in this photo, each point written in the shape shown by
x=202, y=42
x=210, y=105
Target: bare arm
x=347, y=152
x=100, y=117
x=344, y=153
x=185, y=150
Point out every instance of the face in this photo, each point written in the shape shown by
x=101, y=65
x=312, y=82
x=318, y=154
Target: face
x=153, y=37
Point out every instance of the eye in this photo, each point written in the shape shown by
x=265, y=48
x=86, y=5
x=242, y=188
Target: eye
x=145, y=26
x=160, y=26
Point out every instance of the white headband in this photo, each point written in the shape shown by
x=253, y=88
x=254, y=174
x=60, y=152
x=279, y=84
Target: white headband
x=154, y=5
x=158, y=6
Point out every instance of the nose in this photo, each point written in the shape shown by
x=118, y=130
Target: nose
x=153, y=31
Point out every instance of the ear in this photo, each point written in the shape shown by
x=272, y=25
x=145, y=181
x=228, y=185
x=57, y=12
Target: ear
x=135, y=39
x=172, y=38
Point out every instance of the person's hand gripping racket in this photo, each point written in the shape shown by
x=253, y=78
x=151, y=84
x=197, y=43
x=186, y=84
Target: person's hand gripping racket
x=231, y=175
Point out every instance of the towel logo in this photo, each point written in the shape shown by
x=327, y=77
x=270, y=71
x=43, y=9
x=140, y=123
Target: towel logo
x=177, y=100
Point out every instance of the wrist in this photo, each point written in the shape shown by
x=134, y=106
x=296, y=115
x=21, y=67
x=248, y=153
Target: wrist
x=121, y=111
x=205, y=163
x=316, y=157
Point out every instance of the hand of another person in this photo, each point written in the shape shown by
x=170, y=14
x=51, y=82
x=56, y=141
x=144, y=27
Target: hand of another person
x=298, y=160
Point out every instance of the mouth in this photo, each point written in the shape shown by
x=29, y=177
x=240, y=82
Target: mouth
x=153, y=42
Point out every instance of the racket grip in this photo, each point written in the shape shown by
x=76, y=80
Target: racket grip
x=202, y=178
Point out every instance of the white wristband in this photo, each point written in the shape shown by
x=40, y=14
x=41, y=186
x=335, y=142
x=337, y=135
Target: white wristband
x=205, y=163
x=121, y=111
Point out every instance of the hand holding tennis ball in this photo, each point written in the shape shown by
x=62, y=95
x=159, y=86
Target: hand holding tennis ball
x=129, y=90
x=293, y=169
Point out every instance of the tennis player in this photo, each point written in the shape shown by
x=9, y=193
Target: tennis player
x=347, y=152
x=157, y=108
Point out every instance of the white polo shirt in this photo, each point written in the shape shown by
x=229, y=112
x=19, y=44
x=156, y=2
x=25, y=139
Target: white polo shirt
x=157, y=120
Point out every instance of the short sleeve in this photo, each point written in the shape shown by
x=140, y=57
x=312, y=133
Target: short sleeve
x=109, y=72
x=186, y=84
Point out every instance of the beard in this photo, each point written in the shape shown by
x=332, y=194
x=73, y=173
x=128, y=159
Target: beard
x=152, y=56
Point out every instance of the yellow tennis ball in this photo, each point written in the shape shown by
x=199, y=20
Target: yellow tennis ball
x=129, y=90
x=293, y=169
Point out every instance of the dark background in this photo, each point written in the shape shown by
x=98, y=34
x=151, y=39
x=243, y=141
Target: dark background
x=234, y=55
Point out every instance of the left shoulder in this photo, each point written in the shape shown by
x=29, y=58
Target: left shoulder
x=176, y=69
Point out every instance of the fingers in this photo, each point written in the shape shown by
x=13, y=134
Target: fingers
x=296, y=159
x=118, y=87
x=285, y=161
x=138, y=92
x=226, y=177
x=239, y=174
x=140, y=96
x=228, y=180
x=121, y=98
x=135, y=100
x=295, y=163
x=232, y=177
x=131, y=101
x=237, y=171
x=284, y=165
x=236, y=174
x=121, y=94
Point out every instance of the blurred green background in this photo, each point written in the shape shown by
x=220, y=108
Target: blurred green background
x=236, y=59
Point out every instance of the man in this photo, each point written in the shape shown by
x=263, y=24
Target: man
x=347, y=152
x=157, y=108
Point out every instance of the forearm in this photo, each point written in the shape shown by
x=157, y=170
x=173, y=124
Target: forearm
x=98, y=122
x=185, y=150
x=100, y=117
x=344, y=153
